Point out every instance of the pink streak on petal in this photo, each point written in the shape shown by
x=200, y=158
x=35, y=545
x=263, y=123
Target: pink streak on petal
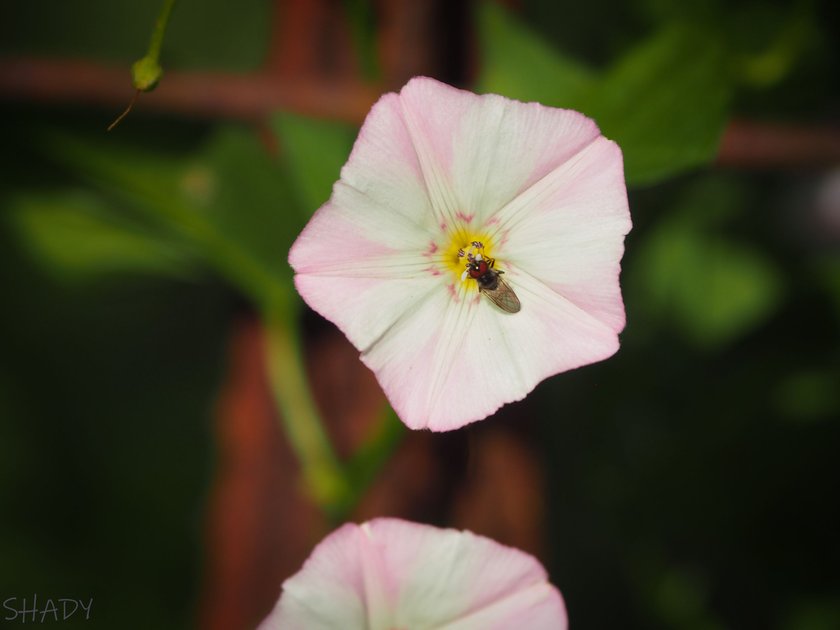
x=384, y=168
x=383, y=136
x=447, y=575
x=332, y=242
x=438, y=110
x=453, y=293
x=381, y=590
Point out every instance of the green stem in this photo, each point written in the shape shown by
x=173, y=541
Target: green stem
x=160, y=28
x=361, y=16
x=146, y=71
x=377, y=450
x=322, y=473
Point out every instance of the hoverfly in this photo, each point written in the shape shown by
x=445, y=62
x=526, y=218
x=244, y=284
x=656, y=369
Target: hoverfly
x=490, y=282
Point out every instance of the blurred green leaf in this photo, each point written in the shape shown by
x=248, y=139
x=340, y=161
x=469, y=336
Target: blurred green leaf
x=665, y=102
x=711, y=288
x=203, y=34
x=778, y=35
x=230, y=202
x=315, y=151
x=361, y=15
x=812, y=612
x=378, y=448
x=76, y=236
x=681, y=601
x=517, y=63
x=808, y=395
x=218, y=34
x=245, y=194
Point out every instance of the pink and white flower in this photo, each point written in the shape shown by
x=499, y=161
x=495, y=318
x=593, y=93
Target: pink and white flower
x=388, y=573
x=438, y=175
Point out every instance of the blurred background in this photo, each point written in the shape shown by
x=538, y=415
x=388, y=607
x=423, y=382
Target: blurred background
x=689, y=482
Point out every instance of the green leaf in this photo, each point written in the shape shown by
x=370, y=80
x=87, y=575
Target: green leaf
x=315, y=151
x=361, y=16
x=517, y=63
x=665, y=103
x=808, y=395
x=202, y=34
x=230, y=203
x=717, y=288
x=709, y=287
x=77, y=237
x=248, y=197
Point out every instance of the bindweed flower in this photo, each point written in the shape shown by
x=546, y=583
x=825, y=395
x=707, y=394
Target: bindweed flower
x=390, y=574
x=470, y=249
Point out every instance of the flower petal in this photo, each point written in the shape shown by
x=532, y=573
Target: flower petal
x=568, y=230
x=418, y=360
x=547, y=188
x=379, y=207
x=540, y=605
x=328, y=592
x=369, y=310
x=392, y=165
x=490, y=147
x=453, y=577
x=343, y=243
x=478, y=358
x=406, y=575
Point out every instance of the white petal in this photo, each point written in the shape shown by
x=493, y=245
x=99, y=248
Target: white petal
x=328, y=592
x=431, y=111
x=463, y=366
x=369, y=310
x=384, y=167
x=568, y=230
x=540, y=604
x=490, y=147
x=359, y=243
x=390, y=573
x=417, y=360
x=450, y=577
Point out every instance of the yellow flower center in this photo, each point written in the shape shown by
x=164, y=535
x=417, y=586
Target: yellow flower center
x=453, y=256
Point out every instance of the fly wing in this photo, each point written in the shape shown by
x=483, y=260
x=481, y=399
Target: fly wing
x=503, y=296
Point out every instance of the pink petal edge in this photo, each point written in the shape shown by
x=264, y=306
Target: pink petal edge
x=394, y=573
